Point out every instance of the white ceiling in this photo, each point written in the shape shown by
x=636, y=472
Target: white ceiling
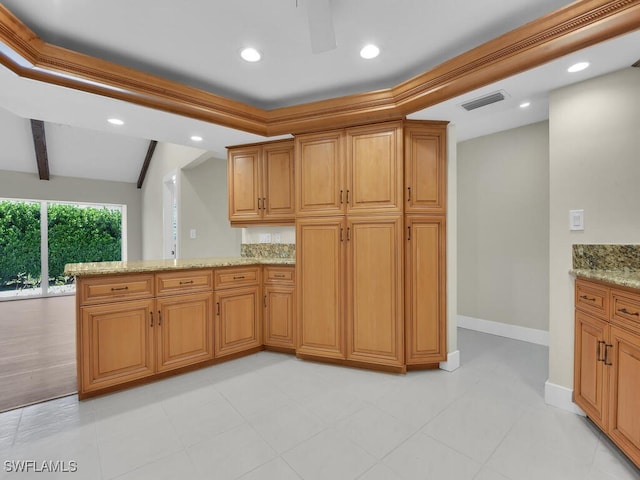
x=198, y=42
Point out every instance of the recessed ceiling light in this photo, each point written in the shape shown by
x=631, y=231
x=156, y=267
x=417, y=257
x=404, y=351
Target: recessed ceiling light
x=251, y=54
x=525, y=104
x=577, y=67
x=369, y=51
x=115, y=121
x=196, y=138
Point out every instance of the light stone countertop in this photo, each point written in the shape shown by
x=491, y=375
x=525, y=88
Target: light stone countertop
x=623, y=278
x=111, y=268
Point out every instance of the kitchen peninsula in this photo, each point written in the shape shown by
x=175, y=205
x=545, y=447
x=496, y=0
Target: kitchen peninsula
x=139, y=321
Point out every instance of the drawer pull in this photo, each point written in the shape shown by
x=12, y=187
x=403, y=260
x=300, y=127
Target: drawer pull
x=239, y=277
x=186, y=283
x=116, y=289
x=627, y=312
x=588, y=299
x=279, y=275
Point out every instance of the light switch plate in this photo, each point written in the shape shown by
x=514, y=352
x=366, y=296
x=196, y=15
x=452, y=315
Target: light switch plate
x=576, y=219
x=192, y=233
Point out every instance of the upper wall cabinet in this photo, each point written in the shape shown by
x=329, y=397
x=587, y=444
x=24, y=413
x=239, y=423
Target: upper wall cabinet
x=260, y=182
x=360, y=168
x=425, y=167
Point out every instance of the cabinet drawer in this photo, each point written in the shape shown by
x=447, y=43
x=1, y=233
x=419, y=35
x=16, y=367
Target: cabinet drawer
x=592, y=298
x=236, y=277
x=279, y=275
x=184, y=281
x=115, y=288
x=625, y=309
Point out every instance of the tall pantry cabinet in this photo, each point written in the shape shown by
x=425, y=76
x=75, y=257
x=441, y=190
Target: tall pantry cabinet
x=369, y=291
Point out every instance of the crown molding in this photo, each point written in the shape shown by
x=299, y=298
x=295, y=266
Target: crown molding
x=576, y=26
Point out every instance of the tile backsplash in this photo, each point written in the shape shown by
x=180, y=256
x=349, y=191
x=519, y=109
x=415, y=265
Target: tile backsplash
x=268, y=250
x=607, y=257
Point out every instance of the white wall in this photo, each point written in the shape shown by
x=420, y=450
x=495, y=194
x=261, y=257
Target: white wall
x=203, y=207
x=166, y=158
x=594, y=134
x=28, y=186
x=503, y=227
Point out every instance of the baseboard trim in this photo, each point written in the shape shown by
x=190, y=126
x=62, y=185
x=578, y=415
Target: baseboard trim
x=561, y=397
x=452, y=363
x=516, y=332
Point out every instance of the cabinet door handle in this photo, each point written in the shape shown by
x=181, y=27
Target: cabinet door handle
x=606, y=354
x=264, y=203
x=409, y=233
x=218, y=308
x=265, y=301
x=116, y=289
x=588, y=299
x=624, y=310
x=409, y=197
x=239, y=277
x=348, y=232
x=186, y=283
x=151, y=324
x=340, y=197
x=259, y=204
x=341, y=229
x=599, y=350
x=347, y=197
x=159, y=318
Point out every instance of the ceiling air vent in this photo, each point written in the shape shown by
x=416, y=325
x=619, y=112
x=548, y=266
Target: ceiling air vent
x=484, y=101
x=637, y=64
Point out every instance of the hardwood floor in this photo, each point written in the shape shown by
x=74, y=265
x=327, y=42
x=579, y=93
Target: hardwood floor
x=37, y=350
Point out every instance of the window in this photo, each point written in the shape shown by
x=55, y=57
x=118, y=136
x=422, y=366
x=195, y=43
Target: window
x=37, y=239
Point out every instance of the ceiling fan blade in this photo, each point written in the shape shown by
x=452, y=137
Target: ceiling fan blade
x=323, y=37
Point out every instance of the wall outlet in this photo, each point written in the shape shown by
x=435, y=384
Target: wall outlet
x=277, y=238
x=192, y=233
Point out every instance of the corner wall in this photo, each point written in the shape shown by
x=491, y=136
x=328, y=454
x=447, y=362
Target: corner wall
x=503, y=232
x=594, y=133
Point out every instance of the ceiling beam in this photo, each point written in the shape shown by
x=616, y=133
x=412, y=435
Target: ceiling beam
x=40, y=145
x=147, y=161
x=576, y=26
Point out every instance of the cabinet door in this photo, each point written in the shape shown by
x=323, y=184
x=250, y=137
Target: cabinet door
x=624, y=391
x=374, y=169
x=243, y=180
x=589, y=369
x=320, y=286
x=279, y=316
x=374, y=294
x=117, y=343
x=184, y=330
x=320, y=174
x=425, y=168
x=237, y=320
x=425, y=282
x=277, y=180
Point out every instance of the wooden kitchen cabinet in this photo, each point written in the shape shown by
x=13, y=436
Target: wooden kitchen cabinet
x=607, y=361
x=279, y=307
x=425, y=281
x=260, y=181
x=184, y=330
x=374, y=290
x=116, y=343
x=425, y=167
x=320, y=286
x=237, y=320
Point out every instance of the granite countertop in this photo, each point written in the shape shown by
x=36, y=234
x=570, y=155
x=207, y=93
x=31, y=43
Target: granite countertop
x=615, y=264
x=106, y=268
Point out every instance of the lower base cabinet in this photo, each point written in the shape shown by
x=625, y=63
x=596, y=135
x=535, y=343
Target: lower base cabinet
x=279, y=314
x=237, y=320
x=607, y=362
x=117, y=344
